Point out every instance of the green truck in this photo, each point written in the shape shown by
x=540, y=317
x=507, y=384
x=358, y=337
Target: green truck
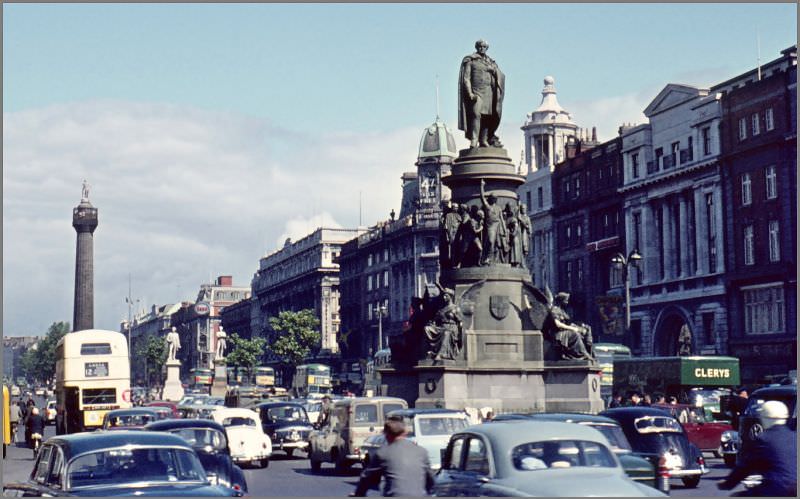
x=679, y=376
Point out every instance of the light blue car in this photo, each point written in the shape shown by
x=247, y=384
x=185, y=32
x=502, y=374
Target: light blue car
x=431, y=429
x=533, y=458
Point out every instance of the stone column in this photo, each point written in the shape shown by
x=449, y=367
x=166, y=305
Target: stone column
x=666, y=239
x=650, y=243
x=719, y=232
x=701, y=231
x=684, y=234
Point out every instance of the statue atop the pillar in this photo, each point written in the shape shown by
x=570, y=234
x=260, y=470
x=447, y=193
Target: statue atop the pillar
x=173, y=344
x=85, y=191
x=573, y=340
x=685, y=341
x=481, y=86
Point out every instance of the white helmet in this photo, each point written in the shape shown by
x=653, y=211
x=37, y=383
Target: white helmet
x=773, y=409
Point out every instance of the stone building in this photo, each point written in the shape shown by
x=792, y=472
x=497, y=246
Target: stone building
x=673, y=215
x=13, y=348
x=154, y=323
x=759, y=174
x=395, y=260
x=547, y=132
x=236, y=318
x=302, y=275
x=588, y=233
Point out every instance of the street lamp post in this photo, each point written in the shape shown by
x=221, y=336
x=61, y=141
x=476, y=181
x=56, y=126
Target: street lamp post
x=381, y=313
x=623, y=263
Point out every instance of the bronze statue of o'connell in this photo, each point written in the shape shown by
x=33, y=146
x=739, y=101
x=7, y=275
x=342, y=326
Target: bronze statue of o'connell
x=481, y=85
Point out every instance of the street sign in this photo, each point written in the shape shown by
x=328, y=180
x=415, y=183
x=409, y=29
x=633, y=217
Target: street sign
x=202, y=308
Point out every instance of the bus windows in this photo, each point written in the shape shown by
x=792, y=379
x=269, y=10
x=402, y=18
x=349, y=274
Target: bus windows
x=99, y=396
x=96, y=349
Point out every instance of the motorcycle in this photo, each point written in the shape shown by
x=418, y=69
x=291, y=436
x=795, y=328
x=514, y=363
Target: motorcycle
x=36, y=441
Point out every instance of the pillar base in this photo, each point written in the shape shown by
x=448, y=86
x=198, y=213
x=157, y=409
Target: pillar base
x=173, y=389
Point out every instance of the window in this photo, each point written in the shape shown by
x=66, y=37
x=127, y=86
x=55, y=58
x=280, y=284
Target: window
x=771, y=182
x=54, y=477
x=540, y=197
x=774, y=241
x=754, y=123
x=770, y=122
x=747, y=196
x=561, y=454
x=477, y=457
x=635, y=165
x=580, y=271
x=577, y=187
x=568, y=236
x=369, y=260
x=708, y=328
x=742, y=128
x=96, y=349
x=528, y=200
x=40, y=473
x=764, y=311
x=453, y=461
x=369, y=312
x=386, y=254
x=659, y=154
x=385, y=278
x=636, y=334
x=712, y=233
x=690, y=149
x=568, y=276
x=366, y=413
x=706, y=135
x=675, y=149
x=748, y=246
x=369, y=283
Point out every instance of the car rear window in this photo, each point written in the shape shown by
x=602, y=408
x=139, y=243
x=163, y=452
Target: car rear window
x=430, y=426
x=554, y=454
x=614, y=435
x=202, y=438
x=657, y=424
x=238, y=421
x=387, y=408
x=365, y=414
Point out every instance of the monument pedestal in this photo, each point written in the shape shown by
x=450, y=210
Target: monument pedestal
x=173, y=389
x=220, y=386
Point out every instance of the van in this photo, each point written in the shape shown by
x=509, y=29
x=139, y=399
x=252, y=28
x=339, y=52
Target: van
x=351, y=422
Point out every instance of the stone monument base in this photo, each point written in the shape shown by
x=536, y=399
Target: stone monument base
x=173, y=389
x=564, y=386
x=220, y=386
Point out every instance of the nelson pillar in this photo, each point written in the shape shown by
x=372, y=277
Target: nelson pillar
x=84, y=220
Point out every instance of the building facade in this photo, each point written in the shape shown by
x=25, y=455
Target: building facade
x=759, y=171
x=673, y=216
x=588, y=233
x=547, y=132
x=15, y=347
x=154, y=323
x=396, y=260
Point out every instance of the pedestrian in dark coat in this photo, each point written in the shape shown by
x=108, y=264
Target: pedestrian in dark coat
x=404, y=466
x=35, y=423
x=60, y=420
x=773, y=455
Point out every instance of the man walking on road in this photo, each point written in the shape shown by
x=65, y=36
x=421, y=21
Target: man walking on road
x=403, y=465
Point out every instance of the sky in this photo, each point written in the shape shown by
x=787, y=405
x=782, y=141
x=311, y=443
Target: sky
x=209, y=133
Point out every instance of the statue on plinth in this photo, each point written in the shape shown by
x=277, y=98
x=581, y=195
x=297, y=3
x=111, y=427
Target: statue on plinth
x=221, y=344
x=173, y=344
x=573, y=340
x=496, y=234
x=481, y=86
x=444, y=332
x=85, y=191
x=685, y=341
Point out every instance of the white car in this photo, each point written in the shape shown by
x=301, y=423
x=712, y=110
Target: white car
x=246, y=439
x=50, y=412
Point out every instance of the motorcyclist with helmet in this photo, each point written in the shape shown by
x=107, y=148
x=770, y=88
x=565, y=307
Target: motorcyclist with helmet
x=773, y=455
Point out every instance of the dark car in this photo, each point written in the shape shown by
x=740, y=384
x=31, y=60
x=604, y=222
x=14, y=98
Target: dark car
x=638, y=467
x=286, y=424
x=173, y=407
x=117, y=463
x=129, y=419
x=209, y=441
x=749, y=422
x=658, y=435
x=705, y=433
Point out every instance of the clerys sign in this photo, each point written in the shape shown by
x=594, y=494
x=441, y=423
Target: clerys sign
x=671, y=374
x=710, y=371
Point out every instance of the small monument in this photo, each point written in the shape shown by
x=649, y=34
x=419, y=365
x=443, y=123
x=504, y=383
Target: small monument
x=173, y=389
x=220, y=386
x=485, y=336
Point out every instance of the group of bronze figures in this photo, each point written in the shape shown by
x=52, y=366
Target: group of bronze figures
x=474, y=236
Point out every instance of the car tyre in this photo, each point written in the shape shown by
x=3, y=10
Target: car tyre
x=289, y=452
x=730, y=460
x=316, y=464
x=691, y=481
x=265, y=462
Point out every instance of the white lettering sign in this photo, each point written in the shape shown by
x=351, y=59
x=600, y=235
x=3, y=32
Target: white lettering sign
x=703, y=372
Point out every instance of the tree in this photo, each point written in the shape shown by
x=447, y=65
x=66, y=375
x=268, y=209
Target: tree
x=245, y=353
x=297, y=335
x=154, y=352
x=39, y=363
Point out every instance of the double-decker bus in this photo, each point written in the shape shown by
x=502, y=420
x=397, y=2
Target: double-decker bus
x=265, y=377
x=201, y=377
x=92, y=377
x=312, y=380
x=606, y=354
x=372, y=378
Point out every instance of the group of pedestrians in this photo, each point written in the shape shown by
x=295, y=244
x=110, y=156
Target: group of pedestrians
x=27, y=415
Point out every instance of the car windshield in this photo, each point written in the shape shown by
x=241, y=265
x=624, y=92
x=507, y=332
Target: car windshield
x=239, y=421
x=130, y=420
x=614, y=435
x=555, y=454
x=656, y=424
x=430, y=426
x=125, y=466
x=286, y=413
x=206, y=439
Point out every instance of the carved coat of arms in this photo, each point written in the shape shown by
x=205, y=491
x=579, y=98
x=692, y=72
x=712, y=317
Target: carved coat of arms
x=498, y=306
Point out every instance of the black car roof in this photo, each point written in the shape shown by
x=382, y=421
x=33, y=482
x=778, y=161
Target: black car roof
x=171, y=424
x=267, y=405
x=414, y=412
x=569, y=417
x=629, y=413
x=776, y=391
x=78, y=443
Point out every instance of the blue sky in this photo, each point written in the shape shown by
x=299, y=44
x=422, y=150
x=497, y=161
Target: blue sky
x=210, y=133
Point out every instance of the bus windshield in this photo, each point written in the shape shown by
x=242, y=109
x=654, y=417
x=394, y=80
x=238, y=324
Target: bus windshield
x=318, y=370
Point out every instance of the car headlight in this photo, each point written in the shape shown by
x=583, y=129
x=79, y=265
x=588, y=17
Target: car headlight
x=725, y=437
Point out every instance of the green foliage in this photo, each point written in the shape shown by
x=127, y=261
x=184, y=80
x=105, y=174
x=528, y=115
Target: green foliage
x=39, y=364
x=245, y=353
x=297, y=334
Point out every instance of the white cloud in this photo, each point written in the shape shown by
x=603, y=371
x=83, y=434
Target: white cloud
x=183, y=194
